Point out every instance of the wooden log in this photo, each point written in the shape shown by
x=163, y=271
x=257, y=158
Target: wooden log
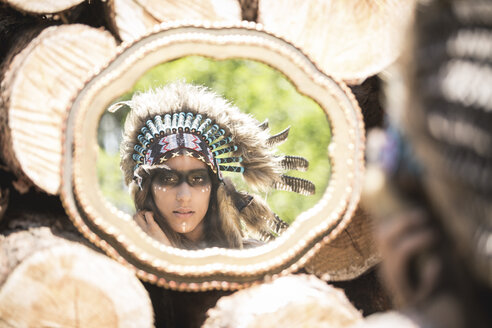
x=133, y=18
x=37, y=87
x=49, y=281
x=128, y=19
x=352, y=253
x=16, y=28
x=348, y=39
x=291, y=301
x=41, y=7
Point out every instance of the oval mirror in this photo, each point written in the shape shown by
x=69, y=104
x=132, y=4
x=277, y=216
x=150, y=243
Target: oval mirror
x=262, y=75
x=257, y=89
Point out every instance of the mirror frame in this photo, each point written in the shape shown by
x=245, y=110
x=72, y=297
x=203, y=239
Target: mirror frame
x=213, y=268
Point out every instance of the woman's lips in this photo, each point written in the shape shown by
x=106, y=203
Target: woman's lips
x=183, y=213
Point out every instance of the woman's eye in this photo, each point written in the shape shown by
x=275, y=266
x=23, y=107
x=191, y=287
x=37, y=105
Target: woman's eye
x=199, y=180
x=168, y=179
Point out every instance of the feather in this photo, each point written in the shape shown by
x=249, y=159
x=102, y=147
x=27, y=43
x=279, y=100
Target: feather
x=298, y=185
x=278, y=138
x=264, y=125
x=116, y=106
x=294, y=163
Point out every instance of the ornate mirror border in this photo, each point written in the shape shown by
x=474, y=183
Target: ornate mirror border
x=213, y=268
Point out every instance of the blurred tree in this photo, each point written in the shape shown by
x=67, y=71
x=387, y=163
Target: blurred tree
x=255, y=88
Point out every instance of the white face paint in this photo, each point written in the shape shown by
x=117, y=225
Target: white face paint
x=159, y=188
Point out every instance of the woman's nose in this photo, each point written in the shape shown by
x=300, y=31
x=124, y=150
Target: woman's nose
x=184, y=192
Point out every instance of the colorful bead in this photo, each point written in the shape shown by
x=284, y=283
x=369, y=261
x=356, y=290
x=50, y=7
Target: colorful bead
x=228, y=168
x=225, y=150
x=219, y=134
x=196, y=122
x=153, y=129
x=159, y=125
x=167, y=123
x=221, y=143
x=139, y=149
x=181, y=121
x=144, y=130
x=174, y=125
x=210, y=132
x=138, y=158
x=143, y=141
x=204, y=125
x=187, y=125
x=228, y=160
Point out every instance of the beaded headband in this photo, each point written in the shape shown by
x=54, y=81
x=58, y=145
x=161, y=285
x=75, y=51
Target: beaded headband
x=163, y=137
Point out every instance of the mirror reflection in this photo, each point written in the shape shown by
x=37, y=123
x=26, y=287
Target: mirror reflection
x=194, y=183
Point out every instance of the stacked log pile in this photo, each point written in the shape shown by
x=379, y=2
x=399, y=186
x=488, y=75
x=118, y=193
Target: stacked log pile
x=49, y=275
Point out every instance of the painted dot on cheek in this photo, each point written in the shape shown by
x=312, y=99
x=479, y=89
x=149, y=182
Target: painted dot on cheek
x=158, y=188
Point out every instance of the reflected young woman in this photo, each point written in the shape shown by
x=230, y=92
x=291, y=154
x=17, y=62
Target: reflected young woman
x=178, y=204
x=177, y=142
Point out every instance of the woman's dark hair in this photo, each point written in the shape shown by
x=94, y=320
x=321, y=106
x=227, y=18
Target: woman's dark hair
x=213, y=232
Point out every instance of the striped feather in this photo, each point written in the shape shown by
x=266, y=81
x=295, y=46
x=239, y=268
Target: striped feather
x=278, y=138
x=294, y=163
x=264, y=125
x=298, y=185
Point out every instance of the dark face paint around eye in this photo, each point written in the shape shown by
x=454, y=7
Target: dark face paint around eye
x=173, y=178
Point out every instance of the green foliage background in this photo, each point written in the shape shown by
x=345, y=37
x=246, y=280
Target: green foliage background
x=256, y=89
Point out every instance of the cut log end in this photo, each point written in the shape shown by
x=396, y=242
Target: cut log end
x=64, y=284
x=134, y=18
x=43, y=7
x=291, y=301
x=352, y=253
x=38, y=86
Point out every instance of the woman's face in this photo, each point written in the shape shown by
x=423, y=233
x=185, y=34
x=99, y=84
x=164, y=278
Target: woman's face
x=182, y=195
